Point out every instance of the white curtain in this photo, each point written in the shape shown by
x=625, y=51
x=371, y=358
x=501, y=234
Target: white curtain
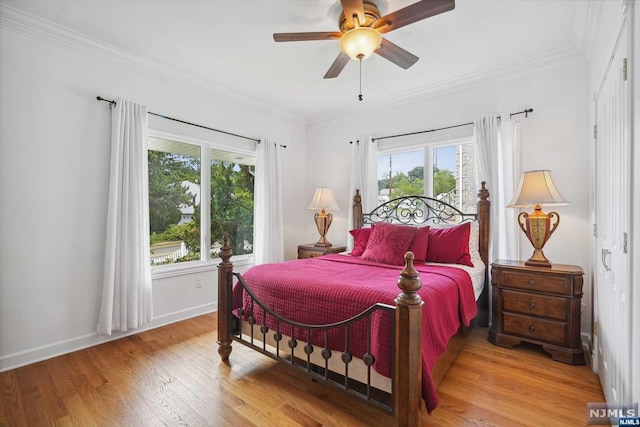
x=126, y=290
x=364, y=170
x=269, y=229
x=497, y=162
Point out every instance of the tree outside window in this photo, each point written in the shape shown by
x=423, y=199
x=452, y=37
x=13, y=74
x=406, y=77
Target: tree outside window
x=176, y=180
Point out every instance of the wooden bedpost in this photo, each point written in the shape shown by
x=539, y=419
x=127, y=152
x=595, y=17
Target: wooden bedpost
x=224, y=301
x=483, y=221
x=357, y=210
x=408, y=349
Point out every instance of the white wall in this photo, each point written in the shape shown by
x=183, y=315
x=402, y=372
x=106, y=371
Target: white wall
x=54, y=160
x=555, y=136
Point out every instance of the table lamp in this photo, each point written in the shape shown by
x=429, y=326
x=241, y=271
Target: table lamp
x=324, y=201
x=536, y=188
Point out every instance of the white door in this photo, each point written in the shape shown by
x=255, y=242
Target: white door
x=612, y=315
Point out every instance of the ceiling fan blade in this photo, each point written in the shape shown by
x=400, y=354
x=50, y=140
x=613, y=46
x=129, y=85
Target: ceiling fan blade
x=353, y=7
x=413, y=13
x=337, y=66
x=396, y=54
x=302, y=37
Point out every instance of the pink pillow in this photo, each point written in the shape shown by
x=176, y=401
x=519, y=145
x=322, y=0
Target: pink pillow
x=388, y=243
x=450, y=245
x=419, y=244
x=360, y=239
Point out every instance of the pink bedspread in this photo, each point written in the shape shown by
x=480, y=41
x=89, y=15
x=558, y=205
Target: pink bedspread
x=334, y=288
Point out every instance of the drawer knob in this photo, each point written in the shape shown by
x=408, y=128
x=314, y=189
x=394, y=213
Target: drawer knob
x=532, y=282
x=532, y=328
x=532, y=305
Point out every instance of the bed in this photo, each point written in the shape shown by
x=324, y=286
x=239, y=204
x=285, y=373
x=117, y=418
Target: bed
x=340, y=317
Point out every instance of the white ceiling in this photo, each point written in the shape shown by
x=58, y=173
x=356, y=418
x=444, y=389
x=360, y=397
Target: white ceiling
x=230, y=44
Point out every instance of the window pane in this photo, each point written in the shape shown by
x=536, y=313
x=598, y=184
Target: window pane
x=453, y=176
x=174, y=201
x=407, y=175
x=232, y=184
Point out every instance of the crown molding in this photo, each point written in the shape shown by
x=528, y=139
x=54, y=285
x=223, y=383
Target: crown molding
x=31, y=26
x=584, y=24
x=469, y=81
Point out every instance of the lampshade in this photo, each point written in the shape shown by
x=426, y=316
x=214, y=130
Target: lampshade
x=536, y=188
x=360, y=42
x=324, y=199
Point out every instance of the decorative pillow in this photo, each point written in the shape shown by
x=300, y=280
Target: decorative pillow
x=360, y=239
x=450, y=245
x=474, y=240
x=419, y=244
x=388, y=243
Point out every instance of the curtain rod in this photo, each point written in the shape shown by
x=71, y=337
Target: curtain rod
x=113, y=104
x=525, y=112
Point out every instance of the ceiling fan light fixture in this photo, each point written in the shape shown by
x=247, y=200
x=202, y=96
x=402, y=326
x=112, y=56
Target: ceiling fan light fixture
x=359, y=43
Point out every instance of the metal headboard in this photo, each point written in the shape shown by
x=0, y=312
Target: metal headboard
x=416, y=210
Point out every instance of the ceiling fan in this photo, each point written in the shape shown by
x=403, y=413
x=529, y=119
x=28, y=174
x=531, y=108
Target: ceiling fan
x=361, y=29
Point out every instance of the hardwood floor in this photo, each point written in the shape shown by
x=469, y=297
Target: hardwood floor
x=173, y=376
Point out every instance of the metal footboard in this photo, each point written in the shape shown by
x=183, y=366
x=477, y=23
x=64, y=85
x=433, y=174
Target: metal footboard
x=303, y=354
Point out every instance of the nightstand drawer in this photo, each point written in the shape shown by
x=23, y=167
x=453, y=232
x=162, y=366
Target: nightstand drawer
x=312, y=251
x=548, y=331
x=535, y=305
x=308, y=254
x=536, y=282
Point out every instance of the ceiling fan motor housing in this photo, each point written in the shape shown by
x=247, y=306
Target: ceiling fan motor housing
x=371, y=15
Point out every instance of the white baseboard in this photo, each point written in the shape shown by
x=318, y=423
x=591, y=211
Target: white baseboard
x=37, y=354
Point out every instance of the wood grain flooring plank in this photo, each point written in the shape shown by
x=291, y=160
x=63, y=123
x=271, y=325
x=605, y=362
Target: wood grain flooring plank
x=63, y=422
x=454, y=411
x=62, y=383
x=510, y=400
x=53, y=404
x=83, y=360
x=78, y=412
x=143, y=399
x=34, y=401
x=201, y=388
x=125, y=385
x=88, y=393
x=13, y=409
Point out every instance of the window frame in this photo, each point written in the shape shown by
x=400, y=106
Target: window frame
x=206, y=140
x=427, y=142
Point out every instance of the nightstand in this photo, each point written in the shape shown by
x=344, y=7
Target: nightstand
x=309, y=250
x=538, y=305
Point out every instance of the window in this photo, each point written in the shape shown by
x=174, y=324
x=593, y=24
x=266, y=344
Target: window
x=446, y=155
x=191, y=207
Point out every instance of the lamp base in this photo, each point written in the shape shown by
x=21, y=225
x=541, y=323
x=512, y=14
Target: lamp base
x=323, y=222
x=535, y=263
x=538, y=227
x=538, y=260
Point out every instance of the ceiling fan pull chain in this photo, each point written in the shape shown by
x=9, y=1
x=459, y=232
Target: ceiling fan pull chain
x=360, y=94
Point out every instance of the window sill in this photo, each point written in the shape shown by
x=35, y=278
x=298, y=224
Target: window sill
x=182, y=269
